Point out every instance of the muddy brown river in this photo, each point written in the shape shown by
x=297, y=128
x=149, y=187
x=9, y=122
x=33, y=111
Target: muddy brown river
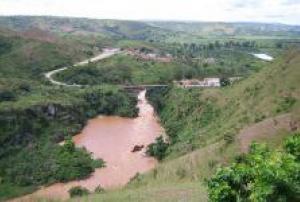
x=112, y=138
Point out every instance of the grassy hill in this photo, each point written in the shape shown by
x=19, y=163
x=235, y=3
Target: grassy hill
x=208, y=115
x=35, y=115
x=24, y=55
x=229, y=29
x=157, y=31
x=116, y=29
x=206, y=126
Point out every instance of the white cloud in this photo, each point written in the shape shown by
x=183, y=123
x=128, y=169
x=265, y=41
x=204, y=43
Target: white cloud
x=285, y=11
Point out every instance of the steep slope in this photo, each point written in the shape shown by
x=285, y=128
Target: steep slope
x=214, y=114
x=35, y=115
x=31, y=53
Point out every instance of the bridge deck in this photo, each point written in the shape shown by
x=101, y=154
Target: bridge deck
x=143, y=86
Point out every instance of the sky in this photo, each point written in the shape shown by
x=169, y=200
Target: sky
x=280, y=11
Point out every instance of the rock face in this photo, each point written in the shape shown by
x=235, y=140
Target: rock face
x=137, y=148
x=21, y=128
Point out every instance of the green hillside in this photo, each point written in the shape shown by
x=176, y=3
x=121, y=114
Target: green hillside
x=35, y=115
x=203, y=115
x=23, y=57
x=206, y=128
x=115, y=29
x=230, y=29
x=205, y=125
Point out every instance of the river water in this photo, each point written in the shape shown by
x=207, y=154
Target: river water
x=112, y=138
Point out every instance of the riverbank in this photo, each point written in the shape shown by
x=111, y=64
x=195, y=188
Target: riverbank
x=112, y=139
x=33, y=125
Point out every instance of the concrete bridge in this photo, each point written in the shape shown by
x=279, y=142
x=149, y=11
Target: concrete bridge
x=137, y=88
x=144, y=86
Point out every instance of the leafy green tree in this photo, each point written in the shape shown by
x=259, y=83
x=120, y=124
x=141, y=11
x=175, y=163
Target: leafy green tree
x=158, y=149
x=73, y=163
x=7, y=96
x=292, y=145
x=261, y=175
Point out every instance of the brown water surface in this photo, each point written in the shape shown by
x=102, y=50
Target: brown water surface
x=112, y=138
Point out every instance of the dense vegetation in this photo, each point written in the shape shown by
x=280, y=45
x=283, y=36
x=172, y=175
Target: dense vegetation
x=261, y=175
x=158, y=148
x=208, y=115
x=124, y=70
x=35, y=115
x=33, y=124
x=78, y=191
x=133, y=70
x=30, y=58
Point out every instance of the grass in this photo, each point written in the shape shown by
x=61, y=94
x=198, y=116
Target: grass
x=202, y=124
x=185, y=191
x=205, y=116
x=123, y=69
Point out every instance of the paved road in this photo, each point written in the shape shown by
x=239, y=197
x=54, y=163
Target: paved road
x=105, y=54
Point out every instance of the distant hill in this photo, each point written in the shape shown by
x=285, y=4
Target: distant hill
x=83, y=26
x=221, y=28
x=144, y=30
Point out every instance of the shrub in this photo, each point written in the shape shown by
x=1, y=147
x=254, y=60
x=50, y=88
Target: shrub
x=292, y=145
x=285, y=104
x=158, y=149
x=225, y=81
x=181, y=173
x=261, y=175
x=98, y=163
x=7, y=96
x=228, y=138
x=25, y=87
x=78, y=191
x=73, y=163
x=99, y=189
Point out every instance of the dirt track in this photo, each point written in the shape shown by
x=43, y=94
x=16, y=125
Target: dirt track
x=266, y=129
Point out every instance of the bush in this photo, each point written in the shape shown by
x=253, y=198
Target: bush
x=98, y=163
x=73, y=163
x=78, y=191
x=225, y=81
x=285, y=104
x=228, y=138
x=158, y=149
x=7, y=96
x=292, y=145
x=261, y=175
x=99, y=190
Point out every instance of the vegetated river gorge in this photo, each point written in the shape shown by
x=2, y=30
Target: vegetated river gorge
x=112, y=138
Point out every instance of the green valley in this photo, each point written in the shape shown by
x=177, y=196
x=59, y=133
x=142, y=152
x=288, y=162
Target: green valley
x=144, y=123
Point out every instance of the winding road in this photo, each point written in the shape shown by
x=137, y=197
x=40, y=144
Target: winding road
x=105, y=54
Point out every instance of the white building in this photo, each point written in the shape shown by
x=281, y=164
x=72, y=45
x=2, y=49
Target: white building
x=211, y=82
x=206, y=82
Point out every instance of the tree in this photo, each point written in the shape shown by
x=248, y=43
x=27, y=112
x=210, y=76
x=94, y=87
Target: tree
x=261, y=175
x=158, y=149
x=279, y=45
x=7, y=96
x=292, y=145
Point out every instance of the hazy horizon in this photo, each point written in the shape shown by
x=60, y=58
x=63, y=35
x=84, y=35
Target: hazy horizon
x=152, y=20
x=248, y=11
